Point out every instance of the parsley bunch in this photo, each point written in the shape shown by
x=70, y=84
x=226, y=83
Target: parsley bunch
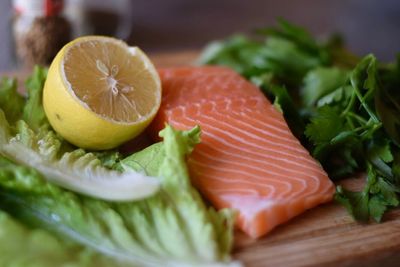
x=344, y=109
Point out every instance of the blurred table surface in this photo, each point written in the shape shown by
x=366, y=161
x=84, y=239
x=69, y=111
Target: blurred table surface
x=159, y=25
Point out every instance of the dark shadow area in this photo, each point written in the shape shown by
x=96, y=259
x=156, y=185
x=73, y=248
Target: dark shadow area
x=367, y=26
x=159, y=25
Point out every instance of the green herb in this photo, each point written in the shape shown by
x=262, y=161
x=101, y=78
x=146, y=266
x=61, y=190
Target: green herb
x=321, y=82
x=347, y=108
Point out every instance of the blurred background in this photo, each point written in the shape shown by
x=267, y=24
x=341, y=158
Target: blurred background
x=172, y=25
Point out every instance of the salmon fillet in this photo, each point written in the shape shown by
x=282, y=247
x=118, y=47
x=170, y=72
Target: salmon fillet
x=248, y=159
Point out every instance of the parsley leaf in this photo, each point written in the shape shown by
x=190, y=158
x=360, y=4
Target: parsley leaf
x=326, y=125
x=376, y=198
x=320, y=82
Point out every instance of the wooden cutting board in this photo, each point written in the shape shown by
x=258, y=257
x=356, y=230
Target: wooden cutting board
x=324, y=236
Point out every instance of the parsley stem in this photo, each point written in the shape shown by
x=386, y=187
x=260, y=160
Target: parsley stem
x=350, y=122
x=359, y=128
x=362, y=100
x=349, y=105
x=357, y=117
x=369, y=132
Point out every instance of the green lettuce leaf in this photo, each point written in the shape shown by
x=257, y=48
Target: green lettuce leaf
x=42, y=249
x=76, y=170
x=172, y=228
x=38, y=168
x=33, y=113
x=30, y=141
x=167, y=160
x=10, y=100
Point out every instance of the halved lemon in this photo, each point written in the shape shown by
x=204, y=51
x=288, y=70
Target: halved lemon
x=100, y=92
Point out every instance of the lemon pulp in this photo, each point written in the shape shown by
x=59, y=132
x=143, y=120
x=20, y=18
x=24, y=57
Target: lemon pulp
x=100, y=93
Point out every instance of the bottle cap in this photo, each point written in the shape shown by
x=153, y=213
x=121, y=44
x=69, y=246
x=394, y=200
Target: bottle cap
x=38, y=8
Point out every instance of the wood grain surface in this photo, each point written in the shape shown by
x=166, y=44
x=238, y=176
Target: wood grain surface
x=324, y=236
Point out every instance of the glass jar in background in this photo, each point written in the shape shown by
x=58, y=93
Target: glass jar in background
x=42, y=27
x=40, y=30
x=107, y=17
